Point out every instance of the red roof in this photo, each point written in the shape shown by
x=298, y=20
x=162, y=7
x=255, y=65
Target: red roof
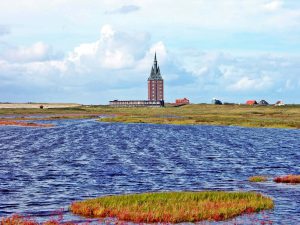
x=251, y=102
x=183, y=100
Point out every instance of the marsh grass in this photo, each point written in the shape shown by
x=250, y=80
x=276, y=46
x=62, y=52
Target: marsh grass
x=235, y=115
x=258, y=179
x=292, y=179
x=173, y=207
x=228, y=115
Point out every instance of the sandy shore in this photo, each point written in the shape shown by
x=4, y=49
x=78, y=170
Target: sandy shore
x=36, y=105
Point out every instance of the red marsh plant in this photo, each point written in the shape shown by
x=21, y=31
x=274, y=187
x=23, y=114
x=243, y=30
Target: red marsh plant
x=22, y=220
x=173, y=207
x=17, y=220
x=258, y=179
x=292, y=179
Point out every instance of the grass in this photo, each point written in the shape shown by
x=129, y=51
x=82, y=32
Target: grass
x=230, y=115
x=258, y=179
x=292, y=179
x=173, y=207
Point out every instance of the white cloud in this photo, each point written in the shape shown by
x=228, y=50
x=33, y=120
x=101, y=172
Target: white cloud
x=160, y=49
x=111, y=62
x=120, y=61
x=107, y=32
x=113, y=50
x=246, y=84
x=273, y=5
x=241, y=76
x=37, y=52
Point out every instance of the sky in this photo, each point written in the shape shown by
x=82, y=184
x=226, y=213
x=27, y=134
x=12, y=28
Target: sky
x=94, y=51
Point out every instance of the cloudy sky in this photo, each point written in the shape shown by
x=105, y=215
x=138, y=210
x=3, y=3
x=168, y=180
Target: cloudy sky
x=99, y=50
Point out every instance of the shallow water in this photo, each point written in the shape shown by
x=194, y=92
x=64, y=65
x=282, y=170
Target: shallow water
x=44, y=169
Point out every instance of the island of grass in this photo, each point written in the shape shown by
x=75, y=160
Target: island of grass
x=173, y=207
x=291, y=179
x=258, y=179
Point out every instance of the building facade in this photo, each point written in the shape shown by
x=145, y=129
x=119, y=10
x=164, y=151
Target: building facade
x=136, y=103
x=155, y=83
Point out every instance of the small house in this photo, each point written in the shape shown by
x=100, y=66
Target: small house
x=251, y=102
x=182, y=101
x=279, y=103
x=263, y=102
x=216, y=102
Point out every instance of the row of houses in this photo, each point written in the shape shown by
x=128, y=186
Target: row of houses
x=248, y=102
x=263, y=102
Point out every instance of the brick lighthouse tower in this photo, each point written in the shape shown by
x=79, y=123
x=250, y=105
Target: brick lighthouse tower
x=155, y=83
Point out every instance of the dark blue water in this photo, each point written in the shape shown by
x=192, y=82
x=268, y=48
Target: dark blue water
x=45, y=169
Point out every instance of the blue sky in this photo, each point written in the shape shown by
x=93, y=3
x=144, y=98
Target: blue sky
x=94, y=51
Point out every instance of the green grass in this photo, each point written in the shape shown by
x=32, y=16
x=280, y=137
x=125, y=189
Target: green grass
x=173, y=207
x=229, y=115
x=258, y=179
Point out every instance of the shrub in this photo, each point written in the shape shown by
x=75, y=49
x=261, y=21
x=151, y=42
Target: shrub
x=292, y=179
x=258, y=179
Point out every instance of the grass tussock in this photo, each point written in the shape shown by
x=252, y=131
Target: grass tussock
x=258, y=179
x=173, y=207
x=292, y=179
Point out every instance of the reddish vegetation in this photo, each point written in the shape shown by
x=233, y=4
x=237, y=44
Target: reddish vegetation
x=258, y=179
x=173, y=207
x=22, y=124
x=292, y=179
x=21, y=220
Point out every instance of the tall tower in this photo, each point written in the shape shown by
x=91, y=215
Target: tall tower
x=155, y=83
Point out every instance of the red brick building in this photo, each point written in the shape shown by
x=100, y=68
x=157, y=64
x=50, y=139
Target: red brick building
x=155, y=83
x=182, y=101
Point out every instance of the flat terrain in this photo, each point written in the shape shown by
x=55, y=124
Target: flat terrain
x=36, y=105
x=230, y=115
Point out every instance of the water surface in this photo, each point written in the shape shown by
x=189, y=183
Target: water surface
x=44, y=169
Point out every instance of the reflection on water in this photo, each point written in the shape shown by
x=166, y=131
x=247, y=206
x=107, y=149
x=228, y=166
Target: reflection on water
x=45, y=169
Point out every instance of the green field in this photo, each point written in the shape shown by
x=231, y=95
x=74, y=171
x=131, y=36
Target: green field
x=230, y=115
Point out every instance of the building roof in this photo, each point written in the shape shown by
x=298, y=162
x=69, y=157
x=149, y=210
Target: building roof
x=251, y=102
x=155, y=71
